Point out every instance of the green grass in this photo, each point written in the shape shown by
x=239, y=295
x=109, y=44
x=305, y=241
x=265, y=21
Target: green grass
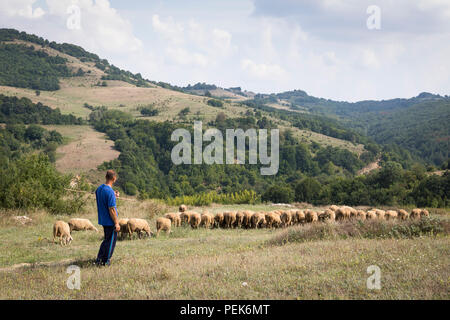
x=214, y=264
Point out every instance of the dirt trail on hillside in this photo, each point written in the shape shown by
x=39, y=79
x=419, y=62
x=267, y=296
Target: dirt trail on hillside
x=371, y=166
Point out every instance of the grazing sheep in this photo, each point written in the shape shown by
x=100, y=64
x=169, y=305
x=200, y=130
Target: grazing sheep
x=240, y=219
x=174, y=217
x=247, y=222
x=195, y=220
x=311, y=216
x=138, y=226
x=286, y=218
x=258, y=220
x=390, y=215
x=77, y=224
x=371, y=215
x=272, y=219
x=182, y=208
x=343, y=213
x=62, y=230
x=353, y=211
x=185, y=217
x=163, y=224
x=419, y=213
x=403, y=214
x=207, y=220
x=278, y=212
x=229, y=219
x=361, y=215
x=123, y=227
x=334, y=207
x=300, y=217
x=269, y=218
x=294, y=216
x=380, y=213
x=218, y=220
x=327, y=215
x=321, y=216
x=415, y=213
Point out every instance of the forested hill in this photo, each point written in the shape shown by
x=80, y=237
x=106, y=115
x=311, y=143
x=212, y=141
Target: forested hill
x=418, y=124
x=24, y=67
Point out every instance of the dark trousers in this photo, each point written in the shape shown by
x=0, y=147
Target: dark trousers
x=108, y=245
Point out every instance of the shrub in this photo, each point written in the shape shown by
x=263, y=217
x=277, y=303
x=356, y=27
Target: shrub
x=32, y=182
x=203, y=199
x=130, y=189
x=278, y=194
x=215, y=103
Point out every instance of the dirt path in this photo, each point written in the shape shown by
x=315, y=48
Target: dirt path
x=19, y=266
x=371, y=166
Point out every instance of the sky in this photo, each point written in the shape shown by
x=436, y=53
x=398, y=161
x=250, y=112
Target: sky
x=336, y=49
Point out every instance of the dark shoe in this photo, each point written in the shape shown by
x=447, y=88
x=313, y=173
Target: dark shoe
x=99, y=263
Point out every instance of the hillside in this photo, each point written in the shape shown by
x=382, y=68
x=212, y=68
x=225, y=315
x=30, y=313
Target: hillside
x=86, y=87
x=139, y=115
x=418, y=124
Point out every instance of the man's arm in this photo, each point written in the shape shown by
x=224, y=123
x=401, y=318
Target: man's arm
x=113, y=215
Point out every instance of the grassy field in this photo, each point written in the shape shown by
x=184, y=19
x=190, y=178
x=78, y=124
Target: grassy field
x=218, y=263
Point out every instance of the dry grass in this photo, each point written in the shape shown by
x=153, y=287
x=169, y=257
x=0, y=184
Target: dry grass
x=86, y=149
x=372, y=229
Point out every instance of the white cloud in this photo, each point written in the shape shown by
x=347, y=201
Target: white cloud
x=262, y=70
x=102, y=27
x=369, y=59
x=21, y=8
x=221, y=40
x=190, y=43
x=172, y=31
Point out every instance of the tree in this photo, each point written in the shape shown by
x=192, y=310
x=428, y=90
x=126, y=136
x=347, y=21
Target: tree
x=215, y=103
x=307, y=190
x=389, y=174
x=221, y=117
x=34, y=132
x=278, y=194
x=184, y=112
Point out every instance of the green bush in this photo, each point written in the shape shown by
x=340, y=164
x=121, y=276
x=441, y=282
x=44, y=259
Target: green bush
x=203, y=199
x=278, y=194
x=32, y=182
x=215, y=103
x=130, y=189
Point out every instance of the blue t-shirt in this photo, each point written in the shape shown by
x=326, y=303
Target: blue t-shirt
x=105, y=199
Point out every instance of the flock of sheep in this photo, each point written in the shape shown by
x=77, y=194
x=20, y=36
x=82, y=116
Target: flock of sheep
x=232, y=219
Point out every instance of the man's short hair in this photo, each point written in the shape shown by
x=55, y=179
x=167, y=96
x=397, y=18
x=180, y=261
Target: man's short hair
x=110, y=174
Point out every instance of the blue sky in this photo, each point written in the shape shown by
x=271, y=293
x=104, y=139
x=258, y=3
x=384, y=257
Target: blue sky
x=321, y=46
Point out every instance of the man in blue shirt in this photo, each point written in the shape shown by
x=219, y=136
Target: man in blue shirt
x=107, y=217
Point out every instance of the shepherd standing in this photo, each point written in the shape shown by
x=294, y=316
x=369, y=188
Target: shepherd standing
x=107, y=217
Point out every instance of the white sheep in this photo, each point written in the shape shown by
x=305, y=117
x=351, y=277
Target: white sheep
x=62, y=230
x=77, y=224
x=163, y=224
x=138, y=225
